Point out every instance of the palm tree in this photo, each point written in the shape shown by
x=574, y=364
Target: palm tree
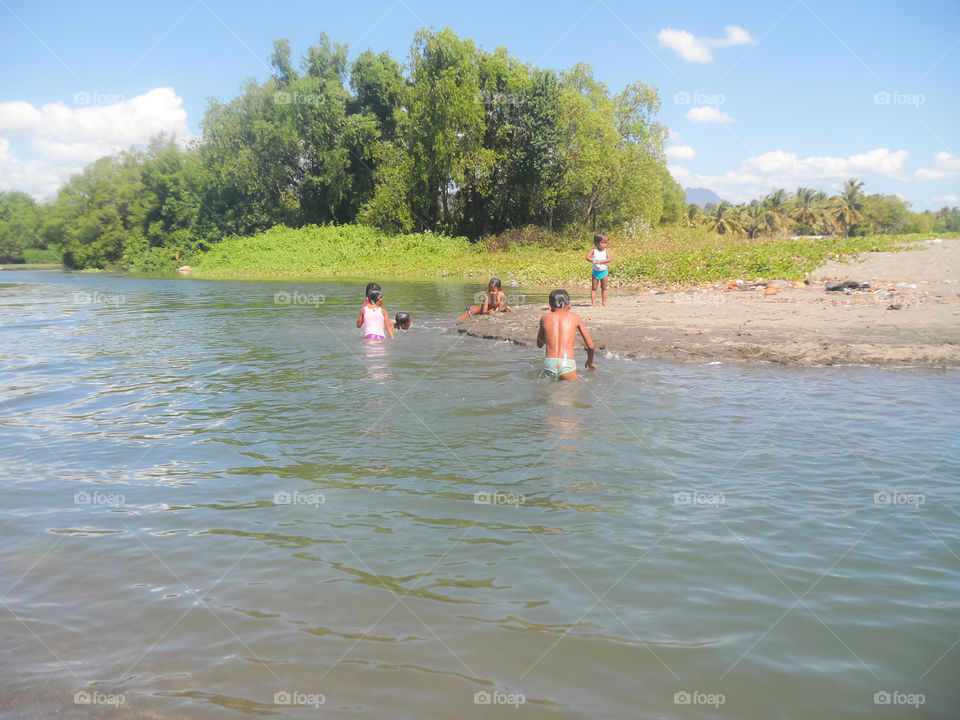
x=848, y=205
x=752, y=219
x=724, y=220
x=776, y=210
x=806, y=208
x=694, y=216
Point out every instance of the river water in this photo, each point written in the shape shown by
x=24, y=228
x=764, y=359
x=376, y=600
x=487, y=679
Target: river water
x=219, y=501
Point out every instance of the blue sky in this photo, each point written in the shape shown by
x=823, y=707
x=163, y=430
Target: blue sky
x=757, y=95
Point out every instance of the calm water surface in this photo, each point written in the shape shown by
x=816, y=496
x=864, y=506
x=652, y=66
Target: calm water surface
x=218, y=505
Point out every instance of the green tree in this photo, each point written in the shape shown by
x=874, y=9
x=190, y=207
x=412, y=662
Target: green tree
x=848, y=205
x=724, y=220
x=19, y=226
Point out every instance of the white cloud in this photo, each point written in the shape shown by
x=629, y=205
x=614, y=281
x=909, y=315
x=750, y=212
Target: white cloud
x=760, y=174
x=944, y=166
x=64, y=139
x=708, y=114
x=699, y=50
x=944, y=199
x=680, y=152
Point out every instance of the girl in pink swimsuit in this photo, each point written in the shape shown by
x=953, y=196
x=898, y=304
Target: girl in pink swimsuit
x=373, y=318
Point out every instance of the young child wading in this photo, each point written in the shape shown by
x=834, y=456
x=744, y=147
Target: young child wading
x=599, y=256
x=558, y=330
x=373, y=318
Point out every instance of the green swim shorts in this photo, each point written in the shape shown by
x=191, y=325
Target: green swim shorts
x=555, y=367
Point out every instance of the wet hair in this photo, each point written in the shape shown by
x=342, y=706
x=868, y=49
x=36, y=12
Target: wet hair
x=375, y=296
x=402, y=319
x=559, y=299
x=371, y=287
x=599, y=238
x=495, y=282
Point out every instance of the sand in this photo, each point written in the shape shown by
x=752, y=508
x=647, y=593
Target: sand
x=891, y=325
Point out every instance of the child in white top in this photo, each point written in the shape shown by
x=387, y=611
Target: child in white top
x=599, y=256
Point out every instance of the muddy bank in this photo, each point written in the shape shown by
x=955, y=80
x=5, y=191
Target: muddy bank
x=909, y=317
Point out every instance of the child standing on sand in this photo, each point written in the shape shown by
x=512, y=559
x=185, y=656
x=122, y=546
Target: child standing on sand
x=599, y=256
x=373, y=318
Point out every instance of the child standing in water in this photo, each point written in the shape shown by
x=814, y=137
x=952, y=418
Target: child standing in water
x=558, y=330
x=599, y=256
x=373, y=318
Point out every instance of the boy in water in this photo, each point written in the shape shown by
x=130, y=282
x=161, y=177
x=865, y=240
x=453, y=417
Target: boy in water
x=558, y=330
x=402, y=321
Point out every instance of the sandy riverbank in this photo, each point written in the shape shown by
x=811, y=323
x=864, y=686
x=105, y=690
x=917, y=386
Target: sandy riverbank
x=901, y=326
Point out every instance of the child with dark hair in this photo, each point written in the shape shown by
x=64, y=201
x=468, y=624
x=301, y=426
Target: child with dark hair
x=558, y=330
x=493, y=301
x=370, y=287
x=402, y=321
x=600, y=257
x=374, y=319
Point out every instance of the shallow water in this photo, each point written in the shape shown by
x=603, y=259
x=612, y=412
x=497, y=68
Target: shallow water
x=215, y=504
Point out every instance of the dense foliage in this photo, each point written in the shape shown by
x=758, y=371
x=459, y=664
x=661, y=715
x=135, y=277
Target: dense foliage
x=458, y=141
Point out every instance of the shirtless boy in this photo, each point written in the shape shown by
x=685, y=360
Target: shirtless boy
x=558, y=330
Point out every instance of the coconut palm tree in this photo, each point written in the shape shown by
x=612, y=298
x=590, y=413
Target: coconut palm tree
x=848, y=205
x=776, y=210
x=724, y=220
x=753, y=220
x=694, y=216
x=806, y=209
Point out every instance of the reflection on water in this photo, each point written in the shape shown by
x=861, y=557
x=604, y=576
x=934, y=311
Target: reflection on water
x=217, y=506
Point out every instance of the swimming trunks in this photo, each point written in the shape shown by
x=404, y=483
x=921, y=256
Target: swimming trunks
x=600, y=275
x=555, y=367
x=374, y=336
x=469, y=311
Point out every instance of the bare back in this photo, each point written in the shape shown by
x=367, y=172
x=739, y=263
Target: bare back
x=559, y=331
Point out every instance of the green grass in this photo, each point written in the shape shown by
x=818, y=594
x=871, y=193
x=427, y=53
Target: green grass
x=668, y=256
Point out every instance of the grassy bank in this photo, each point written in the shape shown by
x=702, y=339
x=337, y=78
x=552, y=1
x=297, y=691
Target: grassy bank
x=668, y=256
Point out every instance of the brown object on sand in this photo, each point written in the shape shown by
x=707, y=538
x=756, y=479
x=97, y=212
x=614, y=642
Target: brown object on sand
x=772, y=290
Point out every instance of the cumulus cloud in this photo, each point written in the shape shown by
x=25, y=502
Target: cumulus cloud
x=64, y=139
x=680, y=152
x=707, y=114
x=944, y=166
x=700, y=50
x=760, y=174
x=944, y=200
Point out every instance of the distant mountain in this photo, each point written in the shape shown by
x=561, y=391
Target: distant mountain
x=701, y=196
